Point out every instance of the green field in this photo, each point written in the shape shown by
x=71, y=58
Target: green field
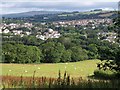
x=76, y=69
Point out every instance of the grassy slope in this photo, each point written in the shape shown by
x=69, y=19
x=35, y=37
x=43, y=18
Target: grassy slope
x=76, y=69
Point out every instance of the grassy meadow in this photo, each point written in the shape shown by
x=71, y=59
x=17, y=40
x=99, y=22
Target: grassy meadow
x=75, y=69
x=48, y=76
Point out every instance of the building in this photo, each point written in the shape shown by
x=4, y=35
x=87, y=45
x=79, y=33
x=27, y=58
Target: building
x=6, y=31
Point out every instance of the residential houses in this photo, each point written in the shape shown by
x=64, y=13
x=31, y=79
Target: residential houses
x=49, y=34
x=107, y=36
x=83, y=22
x=6, y=31
x=14, y=28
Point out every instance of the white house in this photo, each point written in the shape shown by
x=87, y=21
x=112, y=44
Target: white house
x=17, y=32
x=50, y=30
x=41, y=37
x=0, y=30
x=6, y=31
x=28, y=33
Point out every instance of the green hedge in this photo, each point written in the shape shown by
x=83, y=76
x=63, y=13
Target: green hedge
x=107, y=74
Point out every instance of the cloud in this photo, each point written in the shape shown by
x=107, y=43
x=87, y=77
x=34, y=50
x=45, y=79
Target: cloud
x=7, y=5
x=33, y=5
x=60, y=1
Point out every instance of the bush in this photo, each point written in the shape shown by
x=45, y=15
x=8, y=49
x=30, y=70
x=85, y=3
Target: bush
x=107, y=74
x=118, y=75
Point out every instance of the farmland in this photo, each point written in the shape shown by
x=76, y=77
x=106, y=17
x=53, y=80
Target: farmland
x=75, y=69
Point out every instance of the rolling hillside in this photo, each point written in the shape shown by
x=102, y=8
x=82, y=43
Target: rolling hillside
x=50, y=16
x=29, y=14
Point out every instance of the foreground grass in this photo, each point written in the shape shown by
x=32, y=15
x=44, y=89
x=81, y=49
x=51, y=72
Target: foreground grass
x=65, y=82
x=75, y=69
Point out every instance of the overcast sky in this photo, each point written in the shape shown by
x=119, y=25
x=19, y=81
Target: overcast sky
x=17, y=6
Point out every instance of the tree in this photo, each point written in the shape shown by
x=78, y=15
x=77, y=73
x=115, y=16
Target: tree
x=52, y=52
x=66, y=56
x=34, y=54
x=93, y=51
x=115, y=63
x=9, y=53
x=66, y=41
x=19, y=53
x=117, y=30
x=78, y=54
x=28, y=54
x=117, y=25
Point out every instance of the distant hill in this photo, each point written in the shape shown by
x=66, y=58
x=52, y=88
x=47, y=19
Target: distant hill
x=67, y=16
x=28, y=14
x=50, y=16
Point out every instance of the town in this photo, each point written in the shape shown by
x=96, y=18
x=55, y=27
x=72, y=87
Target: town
x=83, y=22
x=25, y=29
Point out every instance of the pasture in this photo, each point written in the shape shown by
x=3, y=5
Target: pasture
x=75, y=69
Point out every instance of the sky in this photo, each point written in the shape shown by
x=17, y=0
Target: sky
x=18, y=6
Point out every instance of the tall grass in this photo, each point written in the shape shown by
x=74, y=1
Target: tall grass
x=61, y=82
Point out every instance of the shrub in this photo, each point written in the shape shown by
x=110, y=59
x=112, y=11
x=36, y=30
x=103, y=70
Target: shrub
x=107, y=74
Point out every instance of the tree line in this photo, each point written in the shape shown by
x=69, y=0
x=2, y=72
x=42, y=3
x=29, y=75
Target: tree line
x=57, y=50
